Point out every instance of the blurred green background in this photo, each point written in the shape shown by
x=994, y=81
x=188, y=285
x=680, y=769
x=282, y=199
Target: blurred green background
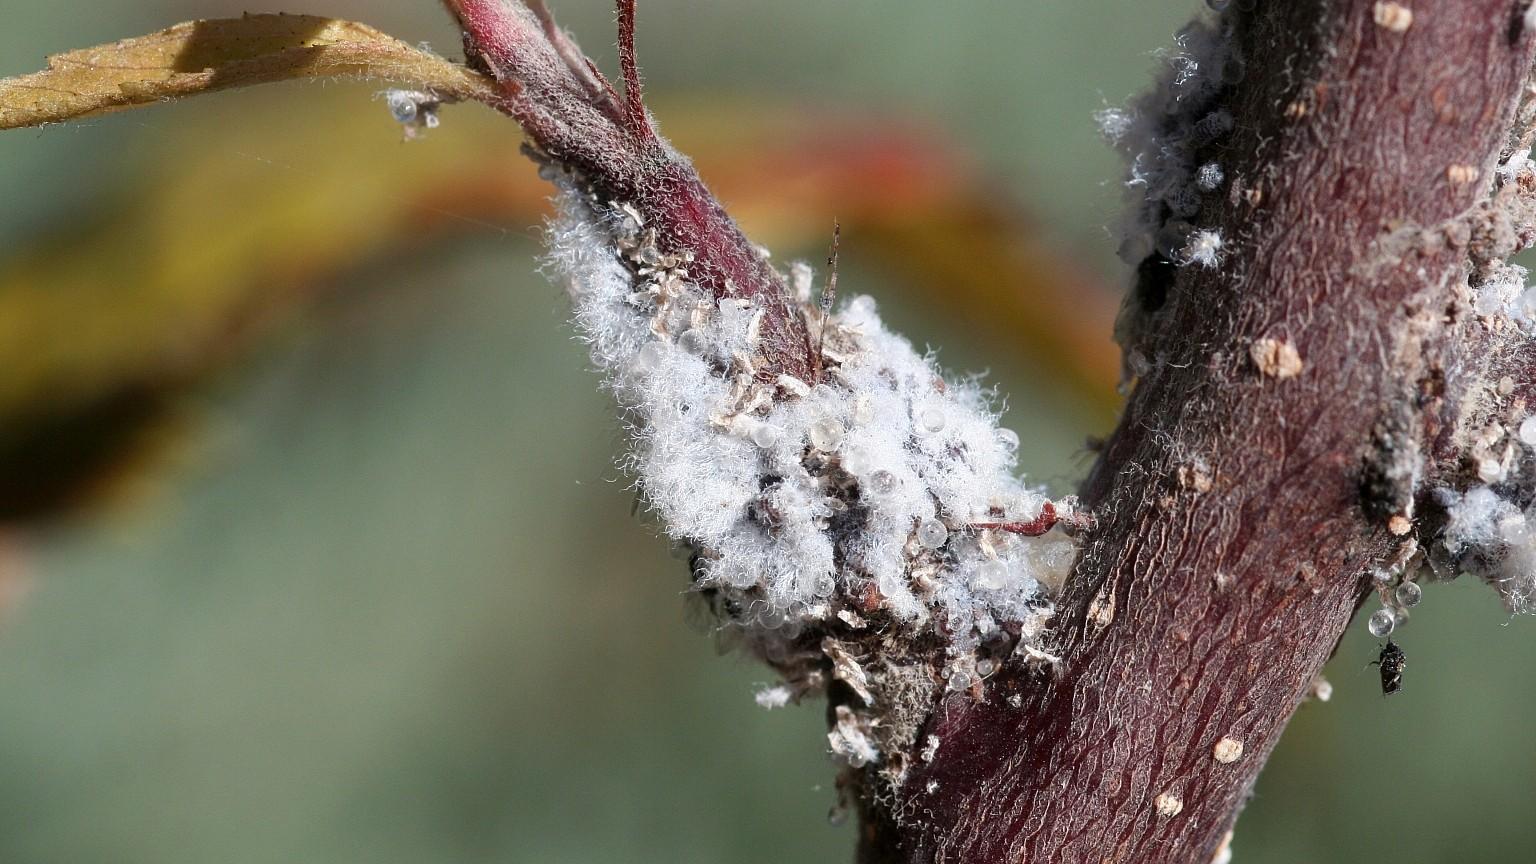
x=377, y=594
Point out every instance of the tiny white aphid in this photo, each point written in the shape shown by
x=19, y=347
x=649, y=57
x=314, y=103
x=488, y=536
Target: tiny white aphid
x=415, y=110
x=1203, y=248
x=1209, y=177
x=1164, y=134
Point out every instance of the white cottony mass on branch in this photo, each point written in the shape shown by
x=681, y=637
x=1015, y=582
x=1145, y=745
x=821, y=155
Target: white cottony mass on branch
x=1331, y=373
x=881, y=490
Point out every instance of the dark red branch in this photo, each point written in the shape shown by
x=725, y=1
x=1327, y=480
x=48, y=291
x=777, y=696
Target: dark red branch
x=574, y=116
x=1235, y=515
x=636, y=117
x=1202, y=611
x=1032, y=528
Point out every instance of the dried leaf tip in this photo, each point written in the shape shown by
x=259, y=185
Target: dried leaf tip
x=221, y=54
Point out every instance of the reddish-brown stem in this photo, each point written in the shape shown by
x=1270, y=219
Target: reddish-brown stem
x=636, y=117
x=574, y=116
x=1202, y=609
x=1236, y=521
x=1031, y=528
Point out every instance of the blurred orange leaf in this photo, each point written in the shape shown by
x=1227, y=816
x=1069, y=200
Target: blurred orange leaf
x=218, y=54
x=104, y=324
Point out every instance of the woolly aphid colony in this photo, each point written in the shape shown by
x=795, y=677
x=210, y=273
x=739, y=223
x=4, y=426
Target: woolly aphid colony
x=1167, y=136
x=865, y=530
x=814, y=510
x=1161, y=134
x=837, y=523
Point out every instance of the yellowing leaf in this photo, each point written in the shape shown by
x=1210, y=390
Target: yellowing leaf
x=219, y=54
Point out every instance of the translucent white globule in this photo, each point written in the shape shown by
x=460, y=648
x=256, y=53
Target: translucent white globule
x=1381, y=623
x=932, y=533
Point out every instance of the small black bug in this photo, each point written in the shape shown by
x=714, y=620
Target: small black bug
x=1392, y=664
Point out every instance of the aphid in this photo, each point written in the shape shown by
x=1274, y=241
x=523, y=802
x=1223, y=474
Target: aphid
x=1392, y=664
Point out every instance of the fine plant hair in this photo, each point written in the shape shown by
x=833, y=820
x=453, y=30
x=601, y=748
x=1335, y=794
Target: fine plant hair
x=1331, y=381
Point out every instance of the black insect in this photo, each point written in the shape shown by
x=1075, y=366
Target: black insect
x=1392, y=664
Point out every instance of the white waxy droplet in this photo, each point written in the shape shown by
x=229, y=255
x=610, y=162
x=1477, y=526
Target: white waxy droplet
x=1052, y=557
x=985, y=666
x=826, y=435
x=991, y=575
x=931, y=419
x=1381, y=623
x=884, y=483
x=402, y=105
x=1399, y=618
x=649, y=357
x=959, y=682
x=932, y=533
x=1528, y=431
x=766, y=435
x=1488, y=303
x=1408, y=594
x=1489, y=470
x=1008, y=438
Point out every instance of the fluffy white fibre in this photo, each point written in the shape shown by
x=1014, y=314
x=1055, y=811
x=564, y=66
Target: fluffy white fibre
x=1492, y=537
x=1502, y=290
x=798, y=497
x=1479, y=519
x=1202, y=248
x=1163, y=134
